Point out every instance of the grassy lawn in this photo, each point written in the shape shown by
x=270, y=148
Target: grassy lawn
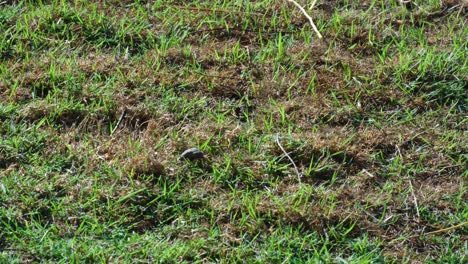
x=348, y=149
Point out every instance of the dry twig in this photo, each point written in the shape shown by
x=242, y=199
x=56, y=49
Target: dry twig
x=120, y=121
x=415, y=200
x=443, y=230
x=307, y=15
x=211, y=10
x=290, y=159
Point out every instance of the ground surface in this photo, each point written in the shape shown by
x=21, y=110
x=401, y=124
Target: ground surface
x=374, y=116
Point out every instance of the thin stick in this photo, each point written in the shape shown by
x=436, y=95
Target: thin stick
x=213, y=10
x=308, y=17
x=312, y=5
x=446, y=229
x=414, y=199
x=443, y=230
x=120, y=121
x=244, y=30
x=403, y=2
x=289, y=157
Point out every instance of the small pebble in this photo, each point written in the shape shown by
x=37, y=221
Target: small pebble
x=192, y=154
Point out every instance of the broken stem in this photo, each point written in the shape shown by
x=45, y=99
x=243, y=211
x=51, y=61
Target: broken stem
x=307, y=16
x=290, y=159
x=118, y=122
